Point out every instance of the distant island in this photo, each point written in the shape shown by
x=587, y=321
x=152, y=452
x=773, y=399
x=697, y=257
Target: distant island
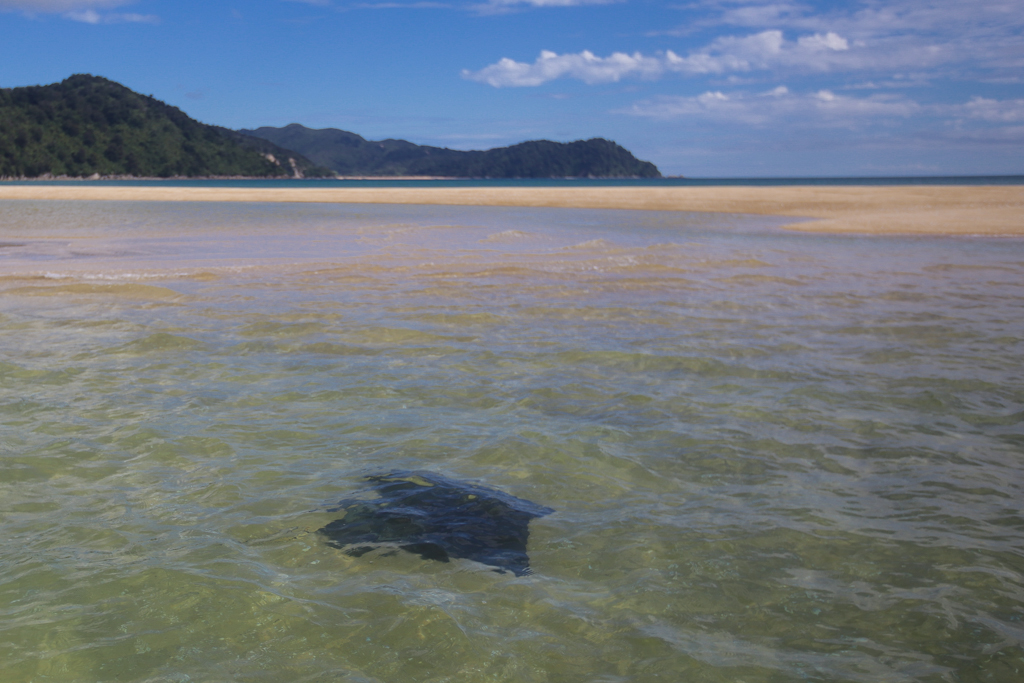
x=89, y=127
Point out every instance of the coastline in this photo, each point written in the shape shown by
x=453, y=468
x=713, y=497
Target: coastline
x=897, y=210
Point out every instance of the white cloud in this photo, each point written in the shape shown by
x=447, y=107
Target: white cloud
x=132, y=18
x=89, y=16
x=552, y=3
x=402, y=5
x=859, y=16
x=780, y=107
x=994, y=111
x=731, y=54
x=84, y=11
x=584, y=66
x=892, y=41
x=757, y=14
x=765, y=50
x=93, y=17
x=823, y=115
x=896, y=34
x=498, y=6
x=826, y=41
x=60, y=6
x=759, y=51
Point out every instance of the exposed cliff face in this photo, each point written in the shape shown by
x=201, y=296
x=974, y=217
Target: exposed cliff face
x=87, y=125
x=350, y=154
x=292, y=163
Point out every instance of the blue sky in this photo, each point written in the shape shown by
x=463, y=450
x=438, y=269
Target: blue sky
x=703, y=88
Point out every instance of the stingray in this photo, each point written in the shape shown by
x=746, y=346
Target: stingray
x=437, y=518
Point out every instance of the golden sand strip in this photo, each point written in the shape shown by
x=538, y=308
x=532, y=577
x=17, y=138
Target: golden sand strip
x=913, y=209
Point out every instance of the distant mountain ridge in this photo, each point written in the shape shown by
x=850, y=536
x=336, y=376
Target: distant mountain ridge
x=349, y=154
x=87, y=125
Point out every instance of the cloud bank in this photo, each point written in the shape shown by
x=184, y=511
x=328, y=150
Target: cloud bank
x=994, y=111
x=59, y=6
x=504, y=5
x=823, y=107
x=930, y=38
x=763, y=50
x=584, y=66
x=84, y=11
x=93, y=17
x=980, y=119
x=896, y=33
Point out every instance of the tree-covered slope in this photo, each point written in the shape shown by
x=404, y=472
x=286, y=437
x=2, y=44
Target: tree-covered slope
x=291, y=161
x=349, y=154
x=87, y=125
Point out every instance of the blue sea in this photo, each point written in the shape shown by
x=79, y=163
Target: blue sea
x=772, y=456
x=543, y=182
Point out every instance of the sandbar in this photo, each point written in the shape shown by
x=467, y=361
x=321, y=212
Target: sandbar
x=891, y=209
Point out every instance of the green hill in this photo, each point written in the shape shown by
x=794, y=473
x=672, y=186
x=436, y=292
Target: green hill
x=350, y=154
x=88, y=125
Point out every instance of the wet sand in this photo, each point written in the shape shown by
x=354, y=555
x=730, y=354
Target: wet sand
x=908, y=209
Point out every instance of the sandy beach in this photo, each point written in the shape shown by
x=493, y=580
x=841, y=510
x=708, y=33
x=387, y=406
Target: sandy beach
x=909, y=209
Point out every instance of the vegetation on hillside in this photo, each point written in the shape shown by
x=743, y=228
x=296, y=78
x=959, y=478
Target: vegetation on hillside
x=89, y=125
x=350, y=154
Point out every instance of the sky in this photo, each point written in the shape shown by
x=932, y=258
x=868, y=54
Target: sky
x=703, y=88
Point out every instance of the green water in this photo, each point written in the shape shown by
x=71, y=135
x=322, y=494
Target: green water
x=772, y=456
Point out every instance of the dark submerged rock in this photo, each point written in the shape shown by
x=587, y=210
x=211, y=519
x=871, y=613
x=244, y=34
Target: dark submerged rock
x=437, y=518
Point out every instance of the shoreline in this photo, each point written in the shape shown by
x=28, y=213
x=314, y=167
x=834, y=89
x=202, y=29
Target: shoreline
x=996, y=210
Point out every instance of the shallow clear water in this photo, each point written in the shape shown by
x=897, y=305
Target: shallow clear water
x=773, y=456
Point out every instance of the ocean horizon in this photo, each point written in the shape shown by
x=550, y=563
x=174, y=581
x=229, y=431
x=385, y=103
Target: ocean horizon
x=253, y=183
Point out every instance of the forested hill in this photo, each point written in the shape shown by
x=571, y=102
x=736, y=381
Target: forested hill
x=89, y=125
x=349, y=154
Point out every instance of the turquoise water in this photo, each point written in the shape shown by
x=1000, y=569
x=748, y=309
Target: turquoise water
x=772, y=456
